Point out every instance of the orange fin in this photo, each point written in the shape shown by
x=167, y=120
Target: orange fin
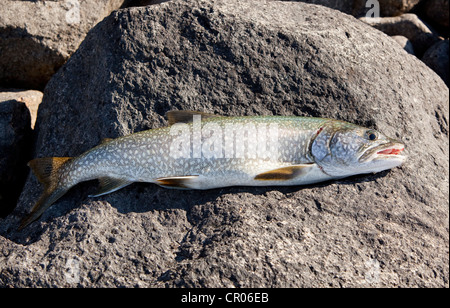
x=181, y=182
x=47, y=171
x=284, y=173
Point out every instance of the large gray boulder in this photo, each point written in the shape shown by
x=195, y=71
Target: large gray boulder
x=239, y=58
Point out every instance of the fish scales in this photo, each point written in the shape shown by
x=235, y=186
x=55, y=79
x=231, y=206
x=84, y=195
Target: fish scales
x=144, y=157
x=203, y=151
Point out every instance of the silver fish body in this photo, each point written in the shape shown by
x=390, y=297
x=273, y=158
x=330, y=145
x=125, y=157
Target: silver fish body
x=145, y=156
x=201, y=151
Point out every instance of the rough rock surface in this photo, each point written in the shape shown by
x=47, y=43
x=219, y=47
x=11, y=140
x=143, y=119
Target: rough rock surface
x=37, y=37
x=354, y=8
x=239, y=58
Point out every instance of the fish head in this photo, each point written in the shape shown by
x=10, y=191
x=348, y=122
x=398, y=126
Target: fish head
x=342, y=149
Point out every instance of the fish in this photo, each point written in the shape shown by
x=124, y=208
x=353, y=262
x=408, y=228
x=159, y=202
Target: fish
x=204, y=151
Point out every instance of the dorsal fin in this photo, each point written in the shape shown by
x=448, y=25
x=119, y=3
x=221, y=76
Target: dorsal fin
x=106, y=140
x=186, y=116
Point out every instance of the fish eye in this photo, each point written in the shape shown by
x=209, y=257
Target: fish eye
x=371, y=135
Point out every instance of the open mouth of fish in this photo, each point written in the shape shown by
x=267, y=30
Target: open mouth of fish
x=389, y=151
x=392, y=150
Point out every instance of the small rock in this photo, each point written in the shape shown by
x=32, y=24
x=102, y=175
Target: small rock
x=409, y=26
x=404, y=42
x=436, y=57
x=396, y=7
x=31, y=98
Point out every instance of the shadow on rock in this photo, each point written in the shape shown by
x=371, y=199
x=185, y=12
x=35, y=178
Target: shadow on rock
x=141, y=198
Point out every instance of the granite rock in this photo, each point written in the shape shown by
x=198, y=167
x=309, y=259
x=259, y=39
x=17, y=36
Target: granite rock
x=239, y=58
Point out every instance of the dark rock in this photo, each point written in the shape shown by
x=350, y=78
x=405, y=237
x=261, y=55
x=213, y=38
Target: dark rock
x=15, y=151
x=438, y=11
x=132, y=3
x=436, y=57
x=396, y=7
x=239, y=58
x=37, y=37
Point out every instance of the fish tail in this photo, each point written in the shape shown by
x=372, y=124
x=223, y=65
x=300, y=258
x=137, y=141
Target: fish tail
x=48, y=171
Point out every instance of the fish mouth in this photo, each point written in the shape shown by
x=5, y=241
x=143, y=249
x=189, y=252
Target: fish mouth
x=384, y=152
x=392, y=150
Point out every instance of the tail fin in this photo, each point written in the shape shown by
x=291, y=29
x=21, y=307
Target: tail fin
x=47, y=171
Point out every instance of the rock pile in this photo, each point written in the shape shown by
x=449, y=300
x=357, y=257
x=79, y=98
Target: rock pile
x=239, y=58
x=418, y=26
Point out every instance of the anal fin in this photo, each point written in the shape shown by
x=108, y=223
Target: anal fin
x=285, y=173
x=109, y=185
x=180, y=182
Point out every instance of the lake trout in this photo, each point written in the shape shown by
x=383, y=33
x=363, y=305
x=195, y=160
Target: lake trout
x=205, y=151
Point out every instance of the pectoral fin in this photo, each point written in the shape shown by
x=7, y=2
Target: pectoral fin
x=285, y=173
x=180, y=182
x=108, y=185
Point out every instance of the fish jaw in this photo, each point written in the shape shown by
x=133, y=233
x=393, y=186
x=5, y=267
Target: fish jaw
x=385, y=156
